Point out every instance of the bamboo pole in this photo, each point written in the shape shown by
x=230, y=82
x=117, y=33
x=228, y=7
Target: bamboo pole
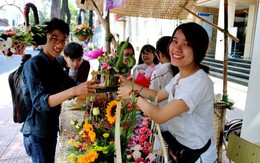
x=225, y=62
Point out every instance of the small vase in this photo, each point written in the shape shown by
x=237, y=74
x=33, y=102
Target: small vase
x=111, y=80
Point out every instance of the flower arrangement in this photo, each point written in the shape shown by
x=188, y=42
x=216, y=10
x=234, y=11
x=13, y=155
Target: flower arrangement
x=19, y=34
x=139, y=148
x=21, y=38
x=94, y=139
x=82, y=32
x=116, y=64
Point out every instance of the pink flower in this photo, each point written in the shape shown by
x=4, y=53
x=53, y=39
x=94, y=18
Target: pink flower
x=149, y=132
x=105, y=65
x=147, y=145
x=142, y=130
x=142, y=137
x=145, y=124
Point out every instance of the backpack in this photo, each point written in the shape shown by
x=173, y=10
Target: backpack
x=20, y=111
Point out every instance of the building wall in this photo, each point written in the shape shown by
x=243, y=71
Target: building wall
x=251, y=123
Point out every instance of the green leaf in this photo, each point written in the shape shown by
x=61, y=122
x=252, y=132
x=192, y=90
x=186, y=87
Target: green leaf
x=120, y=51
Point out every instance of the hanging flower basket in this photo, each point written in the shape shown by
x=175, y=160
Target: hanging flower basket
x=82, y=37
x=19, y=47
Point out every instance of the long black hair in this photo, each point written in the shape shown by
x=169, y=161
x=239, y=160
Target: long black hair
x=148, y=48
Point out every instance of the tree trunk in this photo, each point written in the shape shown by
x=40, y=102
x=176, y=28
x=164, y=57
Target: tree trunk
x=55, y=9
x=65, y=12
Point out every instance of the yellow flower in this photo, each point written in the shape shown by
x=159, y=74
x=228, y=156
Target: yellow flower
x=111, y=111
x=88, y=158
x=76, y=144
x=92, y=136
x=72, y=157
x=71, y=142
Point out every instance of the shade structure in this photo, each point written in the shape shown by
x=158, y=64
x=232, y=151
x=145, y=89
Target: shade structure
x=164, y=9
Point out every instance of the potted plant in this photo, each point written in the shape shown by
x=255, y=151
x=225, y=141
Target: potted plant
x=82, y=32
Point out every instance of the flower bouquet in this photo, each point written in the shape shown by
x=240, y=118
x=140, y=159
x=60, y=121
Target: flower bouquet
x=82, y=32
x=93, y=139
x=115, y=63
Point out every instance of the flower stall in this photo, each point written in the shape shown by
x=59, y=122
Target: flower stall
x=102, y=128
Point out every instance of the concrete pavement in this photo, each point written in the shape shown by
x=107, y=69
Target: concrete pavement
x=11, y=140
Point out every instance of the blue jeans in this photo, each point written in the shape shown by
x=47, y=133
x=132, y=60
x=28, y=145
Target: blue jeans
x=39, y=149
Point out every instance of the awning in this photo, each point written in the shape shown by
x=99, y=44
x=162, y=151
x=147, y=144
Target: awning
x=164, y=9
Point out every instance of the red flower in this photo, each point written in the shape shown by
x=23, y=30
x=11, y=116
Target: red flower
x=145, y=151
x=139, y=160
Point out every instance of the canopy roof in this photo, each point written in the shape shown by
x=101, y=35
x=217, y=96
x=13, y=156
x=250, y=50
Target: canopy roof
x=165, y=9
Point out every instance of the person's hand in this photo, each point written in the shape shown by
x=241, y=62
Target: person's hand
x=124, y=92
x=86, y=88
x=122, y=81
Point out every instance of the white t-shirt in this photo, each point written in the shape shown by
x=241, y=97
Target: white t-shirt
x=161, y=76
x=195, y=127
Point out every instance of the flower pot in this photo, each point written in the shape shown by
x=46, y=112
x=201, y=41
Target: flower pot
x=82, y=38
x=19, y=47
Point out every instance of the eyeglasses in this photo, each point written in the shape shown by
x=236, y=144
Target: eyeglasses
x=146, y=53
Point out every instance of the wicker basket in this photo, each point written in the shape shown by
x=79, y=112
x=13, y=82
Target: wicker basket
x=82, y=38
x=19, y=47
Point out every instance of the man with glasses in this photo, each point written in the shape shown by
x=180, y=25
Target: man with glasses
x=73, y=64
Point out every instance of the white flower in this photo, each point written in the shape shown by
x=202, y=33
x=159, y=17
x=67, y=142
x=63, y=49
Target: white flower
x=96, y=111
x=137, y=147
x=137, y=154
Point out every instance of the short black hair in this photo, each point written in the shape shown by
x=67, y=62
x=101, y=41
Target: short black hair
x=73, y=50
x=57, y=24
x=198, y=39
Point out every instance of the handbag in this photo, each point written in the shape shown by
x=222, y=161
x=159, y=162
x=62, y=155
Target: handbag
x=181, y=153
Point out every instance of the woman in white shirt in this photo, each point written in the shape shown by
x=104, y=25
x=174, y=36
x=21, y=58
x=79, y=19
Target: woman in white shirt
x=189, y=111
